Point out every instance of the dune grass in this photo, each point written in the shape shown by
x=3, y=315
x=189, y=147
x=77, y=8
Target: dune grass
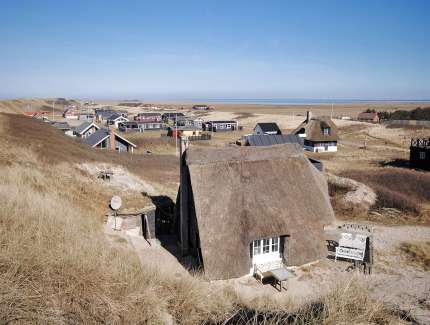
x=405, y=190
x=58, y=267
x=417, y=253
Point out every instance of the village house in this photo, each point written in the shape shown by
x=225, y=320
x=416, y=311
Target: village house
x=102, y=114
x=189, y=122
x=63, y=127
x=265, y=140
x=247, y=210
x=85, y=129
x=110, y=140
x=180, y=132
x=218, y=126
x=369, y=117
x=150, y=126
x=128, y=126
x=201, y=107
x=115, y=119
x=71, y=114
x=319, y=134
x=148, y=117
x=267, y=128
x=419, y=156
x=171, y=116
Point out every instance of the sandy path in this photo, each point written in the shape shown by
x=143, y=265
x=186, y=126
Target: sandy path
x=392, y=281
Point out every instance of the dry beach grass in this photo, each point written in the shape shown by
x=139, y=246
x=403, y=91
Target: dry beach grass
x=58, y=267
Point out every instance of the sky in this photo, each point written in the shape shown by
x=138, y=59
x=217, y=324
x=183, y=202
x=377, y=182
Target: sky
x=331, y=49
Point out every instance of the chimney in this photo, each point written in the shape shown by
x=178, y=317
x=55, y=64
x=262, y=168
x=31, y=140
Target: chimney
x=112, y=138
x=184, y=144
x=308, y=116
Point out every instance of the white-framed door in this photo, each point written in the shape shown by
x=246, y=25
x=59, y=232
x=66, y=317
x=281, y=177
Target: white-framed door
x=266, y=250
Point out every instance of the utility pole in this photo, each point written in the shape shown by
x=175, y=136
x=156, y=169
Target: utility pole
x=53, y=106
x=331, y=115
x=176, y=134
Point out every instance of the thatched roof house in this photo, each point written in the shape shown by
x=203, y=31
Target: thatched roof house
x=320, y=134
x=246, y=206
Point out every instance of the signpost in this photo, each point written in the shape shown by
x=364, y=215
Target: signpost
x=351, y=253
x=352, y=246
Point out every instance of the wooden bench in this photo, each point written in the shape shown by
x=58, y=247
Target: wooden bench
x=263, y=270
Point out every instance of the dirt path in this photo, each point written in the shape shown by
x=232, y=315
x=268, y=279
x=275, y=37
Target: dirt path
x=393, y=280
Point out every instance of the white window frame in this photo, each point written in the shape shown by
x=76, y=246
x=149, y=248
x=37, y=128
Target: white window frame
x=422, y=155
x=263, y=254
x=266, y=246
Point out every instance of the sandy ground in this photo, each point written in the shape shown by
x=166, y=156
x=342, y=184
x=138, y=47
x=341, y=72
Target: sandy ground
x=392, y=280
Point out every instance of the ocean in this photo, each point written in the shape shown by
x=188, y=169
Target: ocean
x=301, y=101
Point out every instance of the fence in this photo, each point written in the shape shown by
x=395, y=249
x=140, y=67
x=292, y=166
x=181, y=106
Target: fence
x=199, y=137
x=408, y=122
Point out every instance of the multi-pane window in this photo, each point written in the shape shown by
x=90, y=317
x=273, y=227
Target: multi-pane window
x=266, y=246
x=422, y=155
x=275, y=244
x=257, y=247
x=326, y=131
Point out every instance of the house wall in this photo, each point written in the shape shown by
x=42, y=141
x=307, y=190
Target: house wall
x=415, y=158
x=259, y=131
x=121, y=146
x=219, y=127
x=120, y=120
x=320, y=147
x=151, y=126
x=104, y=144
x=90, y=131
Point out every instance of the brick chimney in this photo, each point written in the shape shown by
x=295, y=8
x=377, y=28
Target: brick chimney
x=112, y=138
x=308, y=116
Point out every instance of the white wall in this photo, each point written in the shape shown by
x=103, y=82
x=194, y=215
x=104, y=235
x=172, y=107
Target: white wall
x=321, y=149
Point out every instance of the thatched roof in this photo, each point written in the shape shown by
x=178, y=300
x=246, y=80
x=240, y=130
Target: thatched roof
x=314, y=129
x=247, y=193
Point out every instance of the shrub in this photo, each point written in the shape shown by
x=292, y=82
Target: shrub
x=405, y=190
x=417, y=253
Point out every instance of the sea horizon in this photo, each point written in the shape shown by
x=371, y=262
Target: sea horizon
x=303, y=101
x=280, y=101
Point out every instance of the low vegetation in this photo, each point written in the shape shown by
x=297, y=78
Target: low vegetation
x=342, y=208
x=405, y=190
x=420, y=114
x=417, y=253
x=51, y=147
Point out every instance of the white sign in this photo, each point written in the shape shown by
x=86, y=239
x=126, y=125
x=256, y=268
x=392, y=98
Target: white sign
x=351, y=253
x=356, y=241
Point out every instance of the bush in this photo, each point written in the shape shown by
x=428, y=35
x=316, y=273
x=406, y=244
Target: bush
x=417, y=253
x=405, y=190
x=420, y=114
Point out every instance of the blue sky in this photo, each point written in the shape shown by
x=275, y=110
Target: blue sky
x=239, y=49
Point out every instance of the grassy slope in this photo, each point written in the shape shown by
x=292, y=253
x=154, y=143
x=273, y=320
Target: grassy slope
x=56, y=265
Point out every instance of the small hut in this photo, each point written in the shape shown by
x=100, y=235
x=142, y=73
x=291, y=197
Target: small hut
x=420, y=153
x=244, y=207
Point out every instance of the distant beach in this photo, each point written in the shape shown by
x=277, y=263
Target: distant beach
x=301, y=101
